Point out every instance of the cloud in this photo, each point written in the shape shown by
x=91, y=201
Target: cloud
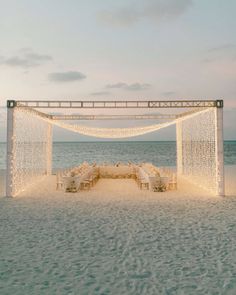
x=152, y=10
x=168, y=93
x=117, y=85
x=26, y=59
x=222, y=47
x=137, y=87
x=121, y=17
x=100, y=93
x=70, y=76
x=130, y=87
x=221, y=52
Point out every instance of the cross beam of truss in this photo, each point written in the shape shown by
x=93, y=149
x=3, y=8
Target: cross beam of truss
x=114, y=117
x=115, y=104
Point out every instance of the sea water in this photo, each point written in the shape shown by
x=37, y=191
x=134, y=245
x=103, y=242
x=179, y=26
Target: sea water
x=160, y=153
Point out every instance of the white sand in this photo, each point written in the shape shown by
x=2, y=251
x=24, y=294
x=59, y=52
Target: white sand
x=117, y=239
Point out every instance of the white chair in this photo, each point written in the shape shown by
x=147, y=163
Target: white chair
x=165, y=180
x=173, y=182
x=59, y=181
x=70, y=184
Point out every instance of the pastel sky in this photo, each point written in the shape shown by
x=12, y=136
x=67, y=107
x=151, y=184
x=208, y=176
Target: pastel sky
x=126, y=49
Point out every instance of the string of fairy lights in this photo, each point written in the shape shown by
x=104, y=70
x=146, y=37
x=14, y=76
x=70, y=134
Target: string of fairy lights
x=111, y=133
x=31, y=143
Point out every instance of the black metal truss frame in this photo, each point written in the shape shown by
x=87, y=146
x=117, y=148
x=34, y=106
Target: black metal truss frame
x=115, y=104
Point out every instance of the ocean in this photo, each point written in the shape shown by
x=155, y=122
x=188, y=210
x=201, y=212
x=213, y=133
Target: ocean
x=160, y=153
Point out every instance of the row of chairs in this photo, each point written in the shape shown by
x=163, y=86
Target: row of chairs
x=164, y=180
x=68, y=180
x=172, y=177
x=90, y=180
x=77, y=182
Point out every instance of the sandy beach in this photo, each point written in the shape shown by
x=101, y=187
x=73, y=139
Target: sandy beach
x=117, y=239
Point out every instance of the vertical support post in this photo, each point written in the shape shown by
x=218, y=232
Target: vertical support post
x=10, y=149
x=219, y=138
x=49, y=150
x=179, y=147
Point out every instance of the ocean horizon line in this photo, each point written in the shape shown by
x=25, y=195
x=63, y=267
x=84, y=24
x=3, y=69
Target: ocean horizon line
x=114, y=141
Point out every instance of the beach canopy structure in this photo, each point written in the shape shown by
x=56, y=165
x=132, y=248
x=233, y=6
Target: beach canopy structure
x=199, y=135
